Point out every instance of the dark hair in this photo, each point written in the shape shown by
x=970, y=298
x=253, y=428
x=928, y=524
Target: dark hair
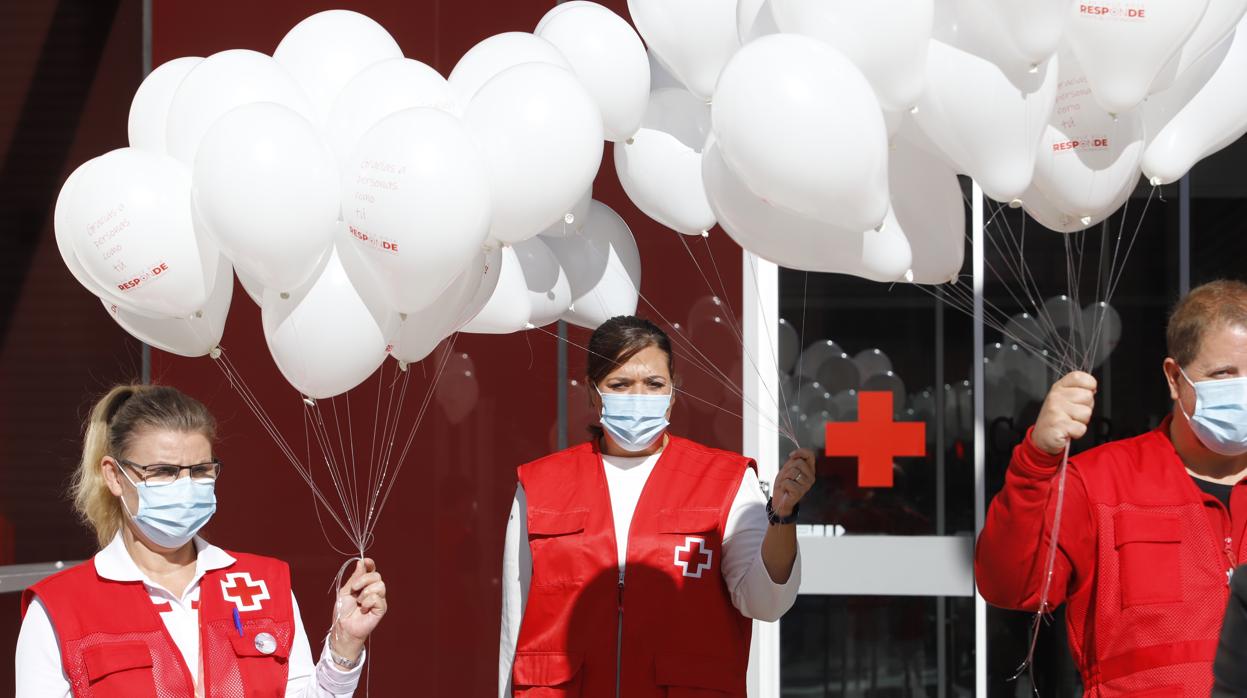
x=1215, y=304
x=615, y=342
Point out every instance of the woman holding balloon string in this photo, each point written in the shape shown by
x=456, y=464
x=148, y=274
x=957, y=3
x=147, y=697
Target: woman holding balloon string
x=159, y=611
x=638, y=560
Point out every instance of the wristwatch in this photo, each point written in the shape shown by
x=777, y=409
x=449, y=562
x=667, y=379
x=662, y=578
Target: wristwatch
x=782, y=520
x=343, y=662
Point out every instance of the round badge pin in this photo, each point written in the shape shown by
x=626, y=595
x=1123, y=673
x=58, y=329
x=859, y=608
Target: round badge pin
x=266, y=643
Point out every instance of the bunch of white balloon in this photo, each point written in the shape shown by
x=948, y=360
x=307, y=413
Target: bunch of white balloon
x=372, y=207
x=369, y=205
x=805, y=118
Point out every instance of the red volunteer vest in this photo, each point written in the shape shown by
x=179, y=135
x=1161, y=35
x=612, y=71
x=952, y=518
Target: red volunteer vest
x=667, y=626
x=1150, y=624
x=114, y=644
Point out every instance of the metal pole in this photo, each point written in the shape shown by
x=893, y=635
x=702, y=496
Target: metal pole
x=761, y=440
x=941, y=494
x=1184, y=235
x=980, y=442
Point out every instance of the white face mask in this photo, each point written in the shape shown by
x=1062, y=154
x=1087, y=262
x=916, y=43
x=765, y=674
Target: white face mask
x=1220, y=417
x=634, y=421
x=170, y=515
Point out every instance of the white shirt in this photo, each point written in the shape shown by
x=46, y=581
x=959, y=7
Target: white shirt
x=40, y=673
x=753, y=591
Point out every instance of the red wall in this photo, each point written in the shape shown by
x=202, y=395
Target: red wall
x=66, y=72
x=439, y=542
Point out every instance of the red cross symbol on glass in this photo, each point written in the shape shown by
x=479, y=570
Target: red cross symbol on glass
x=245, y=594
x=875, y=439
x=685, y=557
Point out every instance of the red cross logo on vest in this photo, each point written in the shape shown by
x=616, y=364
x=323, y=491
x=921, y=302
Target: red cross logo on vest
x=246, y=594
x=686, y=557
x=875, y=439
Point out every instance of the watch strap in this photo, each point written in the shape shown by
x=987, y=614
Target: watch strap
x=776, y=519
x=343, y=661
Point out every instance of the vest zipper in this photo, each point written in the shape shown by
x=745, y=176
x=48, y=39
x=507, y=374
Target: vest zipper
x=1229, y=553
x=619, y=637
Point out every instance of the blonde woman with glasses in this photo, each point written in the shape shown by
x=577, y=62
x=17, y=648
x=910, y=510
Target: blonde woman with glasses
x=159, y=611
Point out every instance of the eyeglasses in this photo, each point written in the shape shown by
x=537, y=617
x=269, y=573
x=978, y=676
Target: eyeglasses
x=158, y=474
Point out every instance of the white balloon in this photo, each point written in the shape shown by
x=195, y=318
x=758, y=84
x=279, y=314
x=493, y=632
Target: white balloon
x=608, y=57
x=323, y=336
x=1086, y=155
x=510, y=305
x=549, y=292
x=892, y=122
x=1102, y=329
x=1000, y=399
x=1217, y=24
x=457, y=388
x=196, y=335
x=801, y=126
x=64, y=245
x=149, y=110
x=660, y=167
x=1017, y=34
x=987, y=121
x=326, y=50
x=788, y=342
x=693, y=39
x=420, y=332
x=603, y=268
x=253, y=288
x=796, y=242
x=872, y=362
x=378, y=91
x=220, y=83
x=128, y=218
x=909, y=132
x=1050, y=216
x=496, y=54
x=417, y=199
x=819, y=353
x=574, y=220
x=1064, y=319
x=1025, y=370
x=1025, y=329
x=267, y=191
x=1160, y=108
x=927, y=205
x=1124, y=47
x=886, y=39
x=754, y=19
x=1215, y=116
x=659, y=77
x=541, y=135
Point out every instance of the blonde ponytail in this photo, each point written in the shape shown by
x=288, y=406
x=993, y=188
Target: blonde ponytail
x=113, y=422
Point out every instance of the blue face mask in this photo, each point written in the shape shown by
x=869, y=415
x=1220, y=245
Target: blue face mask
x=1220, y=417
x=170, y=515
x=634, y=421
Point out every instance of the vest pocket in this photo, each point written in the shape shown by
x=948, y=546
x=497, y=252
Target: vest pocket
x=556, y=541
x=250, y=644
x=1149, y=550
x=120, y=669
x=695, y=676
x=261, y=655
x=546, y=675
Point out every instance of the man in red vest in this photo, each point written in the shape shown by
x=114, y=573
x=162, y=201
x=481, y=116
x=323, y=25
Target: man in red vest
x=1152, y=526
